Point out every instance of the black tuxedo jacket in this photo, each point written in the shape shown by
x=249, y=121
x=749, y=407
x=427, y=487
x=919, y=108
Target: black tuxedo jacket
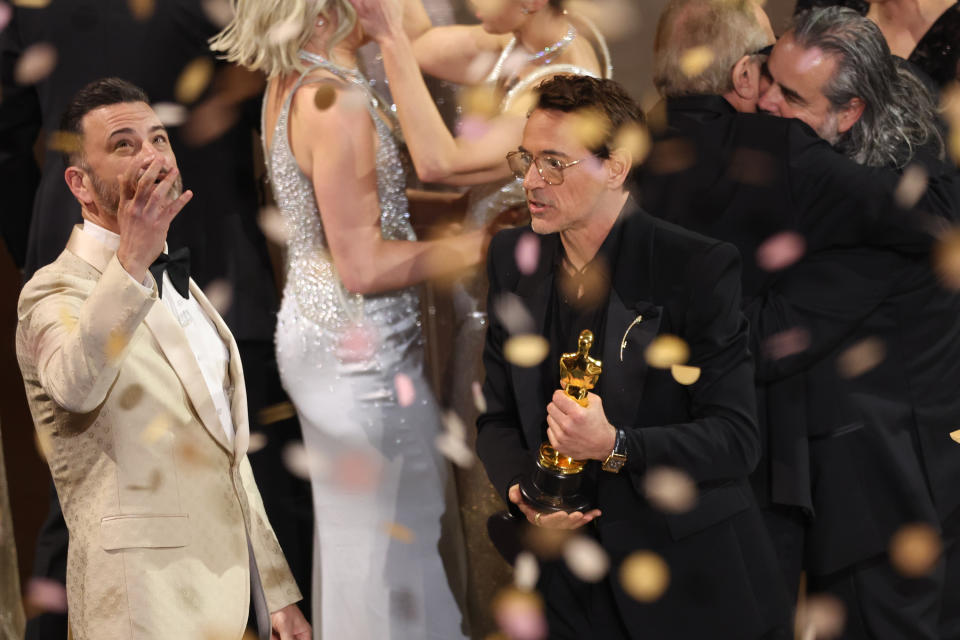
x=838, y=446
x=723, y=580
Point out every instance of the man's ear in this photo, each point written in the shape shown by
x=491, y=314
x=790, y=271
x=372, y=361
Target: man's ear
x=79, y=184
x=618, y=165
x=745, y=76
x=848, y=115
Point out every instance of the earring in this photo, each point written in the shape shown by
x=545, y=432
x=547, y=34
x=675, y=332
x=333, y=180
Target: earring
x=321, y=22
x=525, y=11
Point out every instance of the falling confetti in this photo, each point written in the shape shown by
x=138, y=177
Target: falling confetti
x=357, y=344
x=481, y=101
x=5, y=14
x=64, y=142
x=946, y=259
x=170, y=114
x=399, y=532
x=36, y=63
x=157, y=429
x=276, y=413
x=644, y=576
x=296, y=460
x=43, y=444
x=666, y=350
x=586, y=558
x=45, y=595
x=131, y=396
x=590, y=126
x=780, y=250
x=271, y=222
x=526, y=571
x=455, y=449
x=524, y=104
x=519, y=614
x=513, y=314
x=821, y=617
x=193, y=80
x=325, y=97
x=356, y=471
x=863, y=356
x=117, y=342
x=219, y=293
x=915, y=549
x=955, y=436
x=786, y=343
x=257, y=442
x=671, y=156
x=545, y=542
x=526, y=350
x=219, y=12
x=912, y=185
x=141, y=9
x=670, y=490
x=587, y=289
x=67, y=318
x=31, y=4
x=454, y=425
x=636, y=140
x=479, y=401
x=471, y=127
x=685, y=374
x=283, y=32
x=406, y=392
x=696, y=60
x=527, y=253
x=615, y=19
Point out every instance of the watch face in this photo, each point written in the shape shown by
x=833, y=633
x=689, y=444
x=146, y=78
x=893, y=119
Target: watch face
x=614, y=463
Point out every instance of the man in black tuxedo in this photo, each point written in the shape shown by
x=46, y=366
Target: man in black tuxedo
x=634, y=278
x=99, y=38
x=840, y=475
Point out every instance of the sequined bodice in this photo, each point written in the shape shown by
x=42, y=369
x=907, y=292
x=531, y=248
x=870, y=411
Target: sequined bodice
x=311, y=278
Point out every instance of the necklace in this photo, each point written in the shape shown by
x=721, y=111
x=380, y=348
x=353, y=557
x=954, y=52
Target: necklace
x=544, y=56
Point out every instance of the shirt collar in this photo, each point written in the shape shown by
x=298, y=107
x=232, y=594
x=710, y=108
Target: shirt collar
x=106, y=237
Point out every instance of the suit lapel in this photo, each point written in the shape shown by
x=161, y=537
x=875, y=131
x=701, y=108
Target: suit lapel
x=238, y=402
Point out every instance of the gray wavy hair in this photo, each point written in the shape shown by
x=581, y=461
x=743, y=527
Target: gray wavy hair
x=900, y=114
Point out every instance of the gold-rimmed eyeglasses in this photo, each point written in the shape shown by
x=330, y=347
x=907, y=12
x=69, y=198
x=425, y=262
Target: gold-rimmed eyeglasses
x=549, y=168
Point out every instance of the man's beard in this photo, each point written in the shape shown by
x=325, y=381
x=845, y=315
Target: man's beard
x=108, y=193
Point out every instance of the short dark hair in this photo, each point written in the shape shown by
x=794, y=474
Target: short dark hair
x=99, y=93
x=570, y=93
x=557, y=4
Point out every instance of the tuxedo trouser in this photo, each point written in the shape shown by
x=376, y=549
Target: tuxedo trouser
x=950, y=610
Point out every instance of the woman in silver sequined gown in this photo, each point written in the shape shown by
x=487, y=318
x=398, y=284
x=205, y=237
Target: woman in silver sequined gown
x=517, y=45
x=348, y=335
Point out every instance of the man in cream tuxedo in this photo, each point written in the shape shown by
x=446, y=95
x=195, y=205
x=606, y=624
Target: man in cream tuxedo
x=136, y=390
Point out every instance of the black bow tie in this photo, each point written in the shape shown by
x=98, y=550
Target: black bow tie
x=177, y=266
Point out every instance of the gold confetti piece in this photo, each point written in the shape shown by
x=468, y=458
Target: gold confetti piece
x=257, y=442
x=526, y=350
x=36, y=63
x=271, y=222
x=546, y=543
x=519, y=614
x=479, y=401
x=588, y=289
x=141, y=9
x=296, y=460
x=455, y=449
x=153, y=483
x=64, y=142
x=406, y=392
x=955, y=436
x=590, y=126
x=636, y=140
x=953, y=143
x=696, y=60
x=912, y=185
x=324, y=97
x=644, y=576
x=586, y=559
x=190, y=453
x=685, y=374
x=946, y=258
x=399, y=532
x=117, y=342
x=780, y=250
x=158, y=428
x=67, y=318
x=670, y=490
x=276, y=413
x=915, y=549
x=31, y=4
x=523, y=104
x=751, y=166
x=170, y=114
x=615, y=19
x=219, y=293
x=131, y=396
x=671, y=156
x=526, y=571
x=481, y=101
x=821, y=617
x=861, y=357
x=219, y=12
x=193, y=80
x=666, y=350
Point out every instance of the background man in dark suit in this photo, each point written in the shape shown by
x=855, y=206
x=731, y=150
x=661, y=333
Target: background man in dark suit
x=98, y=38
x=751, y=178
x=652, y=279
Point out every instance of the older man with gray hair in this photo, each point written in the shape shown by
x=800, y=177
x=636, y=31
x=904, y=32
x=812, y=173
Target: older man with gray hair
x=839, y=476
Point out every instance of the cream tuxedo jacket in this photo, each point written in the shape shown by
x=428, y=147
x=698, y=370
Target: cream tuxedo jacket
x=158, y=504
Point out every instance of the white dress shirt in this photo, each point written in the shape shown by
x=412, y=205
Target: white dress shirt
x=208, y=347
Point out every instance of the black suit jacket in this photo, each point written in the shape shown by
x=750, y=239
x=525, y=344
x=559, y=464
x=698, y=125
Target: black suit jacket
x=100, y=38
x=835, y=446
x=723, y=581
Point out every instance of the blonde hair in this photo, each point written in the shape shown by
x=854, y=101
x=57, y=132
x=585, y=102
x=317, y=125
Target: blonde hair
x=729, y=29
x=247, y=39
